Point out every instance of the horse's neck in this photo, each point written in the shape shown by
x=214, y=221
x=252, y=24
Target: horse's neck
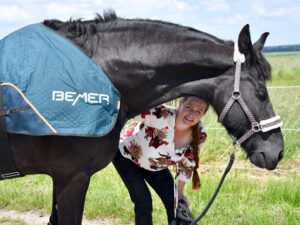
x=151, y=72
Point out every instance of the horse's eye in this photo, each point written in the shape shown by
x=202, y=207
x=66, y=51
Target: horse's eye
x=260, y=89
x=261, y=93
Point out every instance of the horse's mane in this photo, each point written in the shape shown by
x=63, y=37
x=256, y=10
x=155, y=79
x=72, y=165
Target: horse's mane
x=80, y=29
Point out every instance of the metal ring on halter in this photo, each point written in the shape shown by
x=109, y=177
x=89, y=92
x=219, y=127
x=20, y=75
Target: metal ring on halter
x=236, y=95
x=256, y=127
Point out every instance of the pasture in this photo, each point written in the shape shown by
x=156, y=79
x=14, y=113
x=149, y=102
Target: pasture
x=248, y=195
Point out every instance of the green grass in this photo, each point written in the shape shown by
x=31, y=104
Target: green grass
x=247, y=197
x=18, y=193
x=285, y=68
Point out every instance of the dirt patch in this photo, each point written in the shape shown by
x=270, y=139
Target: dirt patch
x=35, y=218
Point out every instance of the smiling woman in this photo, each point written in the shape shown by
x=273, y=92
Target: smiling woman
x=159, y=138
x=190, y=111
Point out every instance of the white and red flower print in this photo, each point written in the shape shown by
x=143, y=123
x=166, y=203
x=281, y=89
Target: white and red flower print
x=161, y=162
x=149, y=142
x=156, y=136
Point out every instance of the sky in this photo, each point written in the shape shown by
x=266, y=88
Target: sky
x=221, y=18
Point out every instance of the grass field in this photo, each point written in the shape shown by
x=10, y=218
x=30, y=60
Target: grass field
x=285, y=68
x=248, y=196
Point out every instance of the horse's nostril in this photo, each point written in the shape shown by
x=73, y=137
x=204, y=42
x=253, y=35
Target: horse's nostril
x=280, y=155
x=263, y=159
x=263, y=154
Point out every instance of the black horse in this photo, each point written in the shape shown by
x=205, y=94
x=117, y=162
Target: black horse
x=150, y=62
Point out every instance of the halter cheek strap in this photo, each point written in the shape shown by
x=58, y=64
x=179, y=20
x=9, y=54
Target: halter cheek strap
x=264, y=125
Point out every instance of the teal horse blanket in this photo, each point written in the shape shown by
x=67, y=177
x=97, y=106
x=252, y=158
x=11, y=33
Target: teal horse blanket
x=50, y=86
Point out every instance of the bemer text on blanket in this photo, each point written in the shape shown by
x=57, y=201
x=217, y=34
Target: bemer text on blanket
x=69, y=96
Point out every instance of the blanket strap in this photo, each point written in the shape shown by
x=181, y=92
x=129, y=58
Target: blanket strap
x=7, y=165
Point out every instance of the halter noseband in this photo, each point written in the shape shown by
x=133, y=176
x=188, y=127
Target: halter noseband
x=263, y=125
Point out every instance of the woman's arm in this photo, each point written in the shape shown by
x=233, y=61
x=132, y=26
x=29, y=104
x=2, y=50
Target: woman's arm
x=181, y=185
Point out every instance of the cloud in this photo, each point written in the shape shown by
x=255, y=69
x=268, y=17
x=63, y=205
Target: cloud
x=232, y=20
x=295, y=12
x=146, y=8
x=272, y=9
x=64, y=10
x=216, y=6
x=261, y=10
x=13, y=13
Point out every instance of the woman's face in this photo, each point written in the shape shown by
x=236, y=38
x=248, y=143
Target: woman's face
x=190, y=112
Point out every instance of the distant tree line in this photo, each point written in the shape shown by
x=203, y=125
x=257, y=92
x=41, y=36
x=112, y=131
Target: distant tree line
x=282, y=48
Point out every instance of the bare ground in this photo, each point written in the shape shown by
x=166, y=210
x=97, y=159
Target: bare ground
x=9, y=217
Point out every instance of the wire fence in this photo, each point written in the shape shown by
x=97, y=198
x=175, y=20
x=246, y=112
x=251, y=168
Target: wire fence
x=277, y=87
x=249, y=168
x=283, y=129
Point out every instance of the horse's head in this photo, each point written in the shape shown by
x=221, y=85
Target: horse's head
x=265, y=149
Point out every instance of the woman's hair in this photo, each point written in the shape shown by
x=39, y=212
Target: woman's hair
x=195, y=150
x=195, y=154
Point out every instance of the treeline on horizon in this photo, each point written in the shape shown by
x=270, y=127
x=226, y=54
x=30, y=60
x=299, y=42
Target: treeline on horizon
x=282, y=48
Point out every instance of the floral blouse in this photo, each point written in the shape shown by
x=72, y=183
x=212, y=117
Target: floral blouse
x=149, y=142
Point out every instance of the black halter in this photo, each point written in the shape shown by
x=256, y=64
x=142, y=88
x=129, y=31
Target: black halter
x=264, y=125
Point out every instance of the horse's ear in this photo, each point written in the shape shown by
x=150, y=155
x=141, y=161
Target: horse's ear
x=244, y=41
x=259, y=45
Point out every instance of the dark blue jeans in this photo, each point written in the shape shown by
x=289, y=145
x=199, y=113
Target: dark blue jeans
x=135, y=177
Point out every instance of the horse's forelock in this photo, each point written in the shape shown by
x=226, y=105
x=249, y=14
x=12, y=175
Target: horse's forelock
x=268, y=70
x=259, y=66
x=265, y=67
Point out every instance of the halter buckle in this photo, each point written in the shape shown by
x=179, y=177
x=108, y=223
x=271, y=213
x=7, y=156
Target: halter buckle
x=256, y=127
x=236, y=95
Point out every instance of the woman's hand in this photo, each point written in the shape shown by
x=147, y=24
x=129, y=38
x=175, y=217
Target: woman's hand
x=183, y=197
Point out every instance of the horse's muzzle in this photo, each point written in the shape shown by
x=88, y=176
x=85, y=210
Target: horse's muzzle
x=267, y=159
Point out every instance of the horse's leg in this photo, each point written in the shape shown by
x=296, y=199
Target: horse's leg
x=53, y=220
x=70, y=198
